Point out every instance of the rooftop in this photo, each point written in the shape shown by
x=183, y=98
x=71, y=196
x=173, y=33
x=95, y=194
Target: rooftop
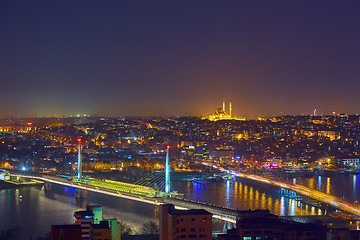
x=174, y=211
x=83, y=215
x=70, y=226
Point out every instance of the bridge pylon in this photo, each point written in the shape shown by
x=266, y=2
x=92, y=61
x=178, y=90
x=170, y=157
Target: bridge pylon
x=228, y=225
x=47, y=186
x=79, y=194
x=79, y=161
x=167, y=172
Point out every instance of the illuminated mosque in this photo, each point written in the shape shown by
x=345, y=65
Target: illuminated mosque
x=221, y=114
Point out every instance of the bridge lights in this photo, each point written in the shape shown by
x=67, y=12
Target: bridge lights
x=167, y=172
x=79, y=161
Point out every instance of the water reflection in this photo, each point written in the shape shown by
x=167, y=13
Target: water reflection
x=251, y=198
x=282, y=207
x=269, y=203
x=292, y=207
x=257, y=202
x=46, y=208
x=244, y=195
x=263, y=201
x=354, y=188
x=344, y=186
x=328, y=185
x=57, y=206
x=227, y=191
x=311, y=183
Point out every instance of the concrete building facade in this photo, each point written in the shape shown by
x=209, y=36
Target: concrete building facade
x=184, y=224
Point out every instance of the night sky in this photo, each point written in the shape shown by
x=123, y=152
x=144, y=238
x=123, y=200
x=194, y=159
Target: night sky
x=121, y=58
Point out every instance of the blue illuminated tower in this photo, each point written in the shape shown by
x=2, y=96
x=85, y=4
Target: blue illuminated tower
x=167, y=172
x=79, y=161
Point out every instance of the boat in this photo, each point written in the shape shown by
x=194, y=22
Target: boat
x=199, y=180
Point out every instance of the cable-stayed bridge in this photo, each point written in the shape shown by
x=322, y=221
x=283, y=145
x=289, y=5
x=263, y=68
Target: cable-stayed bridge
x=150, y=195
x=153, y=189
x=156, y=189
x=140, y=194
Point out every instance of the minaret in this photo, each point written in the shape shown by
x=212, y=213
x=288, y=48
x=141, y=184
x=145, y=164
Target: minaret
x=79, y=161
x=230, y=109
x=224, y=105
x=167, y=172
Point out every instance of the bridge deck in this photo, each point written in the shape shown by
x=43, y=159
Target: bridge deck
x=145, y=194
x=222, y=213
x=305, y=191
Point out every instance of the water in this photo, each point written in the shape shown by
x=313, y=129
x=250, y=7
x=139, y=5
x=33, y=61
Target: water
x=345, y=186
x=244, y=195
x=36, y=210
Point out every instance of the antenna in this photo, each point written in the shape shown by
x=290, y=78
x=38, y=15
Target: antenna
x=230, y=109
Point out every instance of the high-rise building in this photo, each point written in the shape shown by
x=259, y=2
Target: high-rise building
x=68, y=232
x=261, y=224
x=85, y=219
x=89, y=225
x=95, y=226
x=184, y=224
x=97, y=211
x=115, y=228
x=100, y=231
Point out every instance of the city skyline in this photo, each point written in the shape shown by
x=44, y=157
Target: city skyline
x=148, y=59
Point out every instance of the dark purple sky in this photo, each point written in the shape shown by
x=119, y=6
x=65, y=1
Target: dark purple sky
x=179, y=57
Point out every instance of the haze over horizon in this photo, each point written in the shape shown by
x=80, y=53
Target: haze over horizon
x=179, y=58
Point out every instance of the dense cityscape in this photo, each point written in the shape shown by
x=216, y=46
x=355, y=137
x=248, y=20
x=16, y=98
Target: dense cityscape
x=130, y=149
x=171, y=120
x=285, y=143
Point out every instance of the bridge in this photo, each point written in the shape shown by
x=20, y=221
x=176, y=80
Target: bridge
x=222, y=213
x=130, y=191
x=311, y=193
x=302, y=190
x=149, y=195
